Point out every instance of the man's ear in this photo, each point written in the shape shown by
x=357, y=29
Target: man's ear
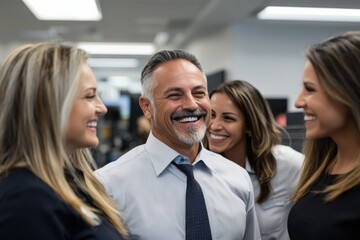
x=145, y=107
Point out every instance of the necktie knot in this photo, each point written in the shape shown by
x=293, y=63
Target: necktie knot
x=187, y=169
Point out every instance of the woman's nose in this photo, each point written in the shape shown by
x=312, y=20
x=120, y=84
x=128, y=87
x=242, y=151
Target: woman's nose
x=215, y=124
x=101, y=108
x=299, y=103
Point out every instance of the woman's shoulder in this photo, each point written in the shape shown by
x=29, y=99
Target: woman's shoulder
x=27, y=202
x=22, y=189
x=287, y=155
x=20, y=179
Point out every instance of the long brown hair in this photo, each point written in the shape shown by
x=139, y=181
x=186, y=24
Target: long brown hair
x=336, y=63
x=265, y=133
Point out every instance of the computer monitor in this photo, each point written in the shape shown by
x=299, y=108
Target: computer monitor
x=294, y=137
x=295, y=118
x=215, y=79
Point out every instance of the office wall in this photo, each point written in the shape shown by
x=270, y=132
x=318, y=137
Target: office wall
x=267, y=55
x=271, y=56
x=215, y=51
x=6, y=48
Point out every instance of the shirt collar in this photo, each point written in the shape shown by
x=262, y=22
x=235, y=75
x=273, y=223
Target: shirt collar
x=162, y=155
x=248, y=167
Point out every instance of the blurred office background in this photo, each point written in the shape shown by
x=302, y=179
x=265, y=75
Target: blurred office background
x=230, y=38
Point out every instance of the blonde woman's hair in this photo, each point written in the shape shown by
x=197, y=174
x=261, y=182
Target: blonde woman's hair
x=336, y=62
x=38, y=83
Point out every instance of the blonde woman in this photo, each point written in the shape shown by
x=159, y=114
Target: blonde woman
x=328, y=195
x=49, y=110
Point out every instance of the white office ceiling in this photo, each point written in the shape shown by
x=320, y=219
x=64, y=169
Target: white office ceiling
x=141, y=20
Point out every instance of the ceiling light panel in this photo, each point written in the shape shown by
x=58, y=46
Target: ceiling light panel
x=113, y=62
x=65, y=10
x=117, y=48
x=310, y=14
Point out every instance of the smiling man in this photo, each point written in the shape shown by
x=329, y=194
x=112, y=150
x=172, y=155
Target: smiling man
x=160, y=200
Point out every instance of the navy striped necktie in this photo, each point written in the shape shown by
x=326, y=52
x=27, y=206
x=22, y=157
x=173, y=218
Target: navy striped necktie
x=197, y=221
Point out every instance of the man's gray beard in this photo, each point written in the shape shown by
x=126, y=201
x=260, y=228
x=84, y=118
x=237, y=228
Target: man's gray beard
x=193, y=136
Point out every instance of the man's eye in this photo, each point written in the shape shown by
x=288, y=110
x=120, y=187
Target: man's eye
x=174, y=95
x=199, y=94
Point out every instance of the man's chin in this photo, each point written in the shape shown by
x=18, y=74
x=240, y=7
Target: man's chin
x=192, y=136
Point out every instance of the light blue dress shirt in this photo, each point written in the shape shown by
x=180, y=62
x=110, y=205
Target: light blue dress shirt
x=150, y=192
x=272, y=214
